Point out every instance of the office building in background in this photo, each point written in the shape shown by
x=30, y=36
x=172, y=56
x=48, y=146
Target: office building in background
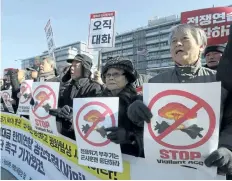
x=61, y=54
x=146, y=46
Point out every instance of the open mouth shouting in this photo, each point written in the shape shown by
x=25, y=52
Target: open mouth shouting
x=178, y=51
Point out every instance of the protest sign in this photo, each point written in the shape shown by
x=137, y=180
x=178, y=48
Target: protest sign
x=91, y=116
x=215, y=22
x=49, y=37
x=45, y=96
x=29, y=154
x=25, y=97
x=185, y=125
x=101, y=30
x=6, y=96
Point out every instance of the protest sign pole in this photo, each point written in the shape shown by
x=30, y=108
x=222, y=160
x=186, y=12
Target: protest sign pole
x=99, y=60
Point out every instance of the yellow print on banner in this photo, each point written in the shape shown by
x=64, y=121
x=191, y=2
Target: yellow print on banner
x=65, y=148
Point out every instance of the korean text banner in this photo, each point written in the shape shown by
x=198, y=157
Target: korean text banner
x=29, y=154
x=215, y=22
x=49, y=37
x=101, y=30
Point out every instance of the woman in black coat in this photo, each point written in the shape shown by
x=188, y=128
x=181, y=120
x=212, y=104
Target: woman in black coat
x=119, y=75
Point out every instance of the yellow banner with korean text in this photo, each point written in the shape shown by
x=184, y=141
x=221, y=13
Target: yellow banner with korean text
x=66, y=148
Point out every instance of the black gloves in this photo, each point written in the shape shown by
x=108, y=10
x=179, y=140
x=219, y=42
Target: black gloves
x=32, y=102
x=119, y=135
x=65, y=112
x=221, y=158
x=138, y=112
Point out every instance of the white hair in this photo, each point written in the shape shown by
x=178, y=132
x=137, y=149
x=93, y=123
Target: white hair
x=198, y=33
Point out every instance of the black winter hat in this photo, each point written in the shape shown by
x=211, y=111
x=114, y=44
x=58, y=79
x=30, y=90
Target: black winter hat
x=84, y=59
x=123, y=63
x=214, y=48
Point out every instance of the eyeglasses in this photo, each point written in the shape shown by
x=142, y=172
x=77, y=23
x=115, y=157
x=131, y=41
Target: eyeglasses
x=114, y=75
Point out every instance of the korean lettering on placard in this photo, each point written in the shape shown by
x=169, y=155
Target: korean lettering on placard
x=98, y=25
x=22, y=139
x=102, y=30
x=60, y=146
x=111, y=175
x=217, y=31
x=50, y=44
x=49, y=32
x=100, y=157
x=31, y=160
x=16, y=169
x=49, y=37
x=5, y=133
x=213, y=24
x=58, y=163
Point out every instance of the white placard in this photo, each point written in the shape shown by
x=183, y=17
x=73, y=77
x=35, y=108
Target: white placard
x=184, y=128
x=49, y=37
x=25, y=97
x=6, y=96
x=101, y=30
x=91, y=116
x=45, y=96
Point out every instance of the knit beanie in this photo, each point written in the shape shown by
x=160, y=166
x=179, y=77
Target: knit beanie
x=123, y=63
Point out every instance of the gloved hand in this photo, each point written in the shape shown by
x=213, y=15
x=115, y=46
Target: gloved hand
x=138, y=112
x=32, y=102
x=118, y=135
x=56, y=113
x=67, y=112
x=221, y=158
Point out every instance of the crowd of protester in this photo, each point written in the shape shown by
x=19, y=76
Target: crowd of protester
x=118, y=78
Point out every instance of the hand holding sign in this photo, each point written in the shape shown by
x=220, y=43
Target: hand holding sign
x=184, y=128
x=66, y=112
x=118, y=135
x=138, y=112
x=93, y=118
x=24, y=97
x=221, y=158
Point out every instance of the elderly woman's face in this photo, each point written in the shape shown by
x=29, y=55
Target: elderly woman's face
x=115, y=79
x=184, y=48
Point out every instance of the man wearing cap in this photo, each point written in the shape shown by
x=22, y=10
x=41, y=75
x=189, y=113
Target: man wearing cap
x=213, y=55
x=80, y=86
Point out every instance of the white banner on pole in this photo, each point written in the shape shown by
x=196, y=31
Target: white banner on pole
x=101, y=30
x=49, y=37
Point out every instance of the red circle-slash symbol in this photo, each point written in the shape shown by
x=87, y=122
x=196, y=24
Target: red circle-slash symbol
x=107, y=111
x=200, y=103
x=26, y=86
x=51, y=93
